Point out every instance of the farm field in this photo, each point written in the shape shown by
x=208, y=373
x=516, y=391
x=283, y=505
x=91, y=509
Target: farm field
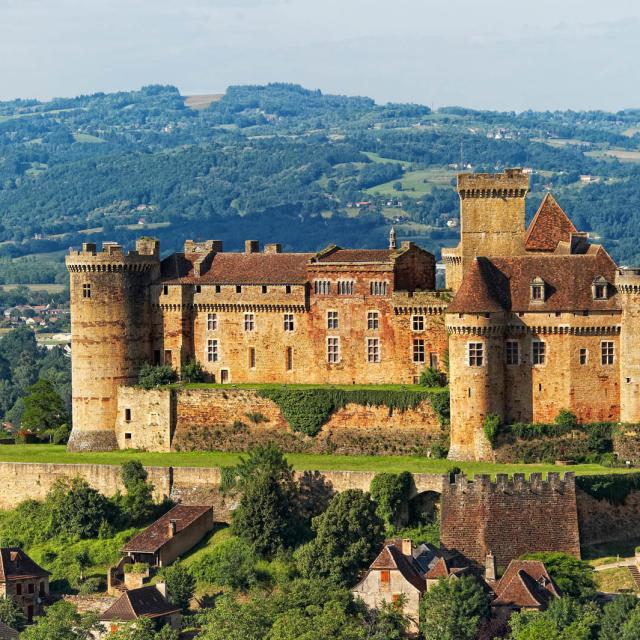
x=624, y=155
x=415, y=183
x=49, y=288
x=57, y=454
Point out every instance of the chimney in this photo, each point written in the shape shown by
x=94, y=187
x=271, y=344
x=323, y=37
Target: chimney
x=407, y=547
x=171, y=528
x=251, y=246
x=162, y=588
x=579, y=242
x=490, y=568
x=274, y=247
x=89, y=247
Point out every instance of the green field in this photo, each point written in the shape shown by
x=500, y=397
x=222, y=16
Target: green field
x=415, y=183
x=49, y=288
x=86, y=138
x=45, y=453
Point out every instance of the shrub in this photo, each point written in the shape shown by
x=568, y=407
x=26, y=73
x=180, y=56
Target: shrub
x=439, y=451
x=137, y=567
x=566, y=419
x=256, y=417
x=156, y=376
x=192, y=371
x=490, y=426
x=431, y=377
x=95, y=584
x=230, y=564
x=390, y=492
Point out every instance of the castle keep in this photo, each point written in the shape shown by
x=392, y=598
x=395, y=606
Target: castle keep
x=534, y=319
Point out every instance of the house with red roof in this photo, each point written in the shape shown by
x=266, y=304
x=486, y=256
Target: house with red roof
x=23, y=580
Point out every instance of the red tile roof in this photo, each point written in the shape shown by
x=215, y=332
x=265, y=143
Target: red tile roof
x=156, y=535
x=15, y=563
x=392, y=558
x=549, y=226
x=525, y=583
x=7, y=633
x=497, y=284
x=337, y=254
x=145, y=602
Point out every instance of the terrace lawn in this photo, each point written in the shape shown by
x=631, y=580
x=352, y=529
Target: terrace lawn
x=46, y=453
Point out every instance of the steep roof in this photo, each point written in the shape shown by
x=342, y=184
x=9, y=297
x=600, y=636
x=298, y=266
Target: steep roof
x=156, y=535
x=7, y=633
x=497, y=284
x=145, y=602
x=237, y=268
x=15, y=563
x=392, y=558
x=549, y=226
x=339, y=255
x=525, y=584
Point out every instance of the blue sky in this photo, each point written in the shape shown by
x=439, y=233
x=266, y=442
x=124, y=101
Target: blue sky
x=543, y=54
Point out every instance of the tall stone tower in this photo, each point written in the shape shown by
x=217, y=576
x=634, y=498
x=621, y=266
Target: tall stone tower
x=628, y=285
x=110, y=333
x=492, y=220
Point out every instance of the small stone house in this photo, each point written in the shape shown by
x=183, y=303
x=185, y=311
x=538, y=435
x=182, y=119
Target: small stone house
x=145, y=602
x=23, y=580
x=398, y=572
x=526, y=584
x=175, y=533
x=7, y=633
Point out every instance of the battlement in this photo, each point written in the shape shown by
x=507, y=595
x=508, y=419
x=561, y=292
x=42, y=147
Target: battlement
x=516, y=484
x=513, y=183
x=112, y=257
x=628, y=280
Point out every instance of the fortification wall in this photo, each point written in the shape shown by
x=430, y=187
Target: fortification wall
x=602, y=521
x=227, y=419
x=510, y=517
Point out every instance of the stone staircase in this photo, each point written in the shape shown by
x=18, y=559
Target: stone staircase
x=635, y=574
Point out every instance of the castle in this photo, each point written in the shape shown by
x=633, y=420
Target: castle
x=533, y=320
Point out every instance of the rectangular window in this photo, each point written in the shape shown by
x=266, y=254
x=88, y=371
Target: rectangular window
x=289, y=358
x=264, y=288
x=513, y=352
x=345, y=287
x=238, y=289
x=373, y=350
x=433, y=360
x=537, y=292
x=583, y=356
x=418, y=350
x=165, y=290
x=287, y=289
x=18, y=589
x=539, y=352
x=333, y=350
x=378, y=288
x=249, y=322
x=607, y=352
x=127, y=436
x=212, y=321
x=212, y=351
x=31, y=587
x=252, y=358
x=288, y=322
x=332, y=319
x=86, y=290
x=600, y=291
x=167, y=357
x=373, y=321
x=322, y=287
x=127, y=415
x=218, y=288
x=385, y=577
x=475, y=354
x=198, y=288
x=156, y=357
x=417, y=323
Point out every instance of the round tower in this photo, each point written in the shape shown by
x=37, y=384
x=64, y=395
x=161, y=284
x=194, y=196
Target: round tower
x=628, y=285
x=110, y=333
x=476, y=380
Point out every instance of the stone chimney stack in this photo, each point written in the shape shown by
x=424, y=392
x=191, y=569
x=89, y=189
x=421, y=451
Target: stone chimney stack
x=490, y=568
x=274, y=247
x=171, y=528
x=162, y=588
x=407, y=547
x=251, y=246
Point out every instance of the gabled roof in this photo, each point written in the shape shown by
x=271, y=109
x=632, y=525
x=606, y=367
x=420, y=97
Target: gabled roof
x=156, y=535
x=525, y=584
x=392, y=558
x=336, y=254
x=504, y=284
x=549, y=226
x=145, y=602
x=15, y=563
x=7, y=633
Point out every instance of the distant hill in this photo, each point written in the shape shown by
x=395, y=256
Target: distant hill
x=288, y=164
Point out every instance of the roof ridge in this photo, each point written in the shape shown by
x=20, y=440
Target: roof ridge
x=549, y=225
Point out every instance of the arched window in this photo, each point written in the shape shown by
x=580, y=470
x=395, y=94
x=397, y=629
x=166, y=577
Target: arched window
x=600, y=288
x=538, y=290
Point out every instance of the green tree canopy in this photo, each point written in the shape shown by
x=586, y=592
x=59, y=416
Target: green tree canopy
x=11, y=613
x=61, y=621
x=137, y=504
x=44, y=408
x=390, y=491
x=573, y=577
x=181, y=584
x=230, y=564
x=614, y=615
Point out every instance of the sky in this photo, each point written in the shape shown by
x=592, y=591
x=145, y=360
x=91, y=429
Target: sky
x=493, y=54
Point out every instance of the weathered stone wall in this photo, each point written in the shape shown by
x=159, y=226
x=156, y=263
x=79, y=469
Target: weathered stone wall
x=601, y=521
x=510, y=517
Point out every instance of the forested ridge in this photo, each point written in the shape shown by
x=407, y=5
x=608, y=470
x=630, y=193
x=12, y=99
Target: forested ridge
x=283, y=163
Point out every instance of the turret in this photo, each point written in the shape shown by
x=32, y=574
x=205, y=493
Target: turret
x=628, y=285
x=110, y=335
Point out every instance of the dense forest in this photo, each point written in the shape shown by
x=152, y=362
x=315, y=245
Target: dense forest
x=283, y=163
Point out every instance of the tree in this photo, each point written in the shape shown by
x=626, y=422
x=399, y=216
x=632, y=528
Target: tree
x=83, y=560
x=573, y=577
x=144, y=629
x=390, y=491
x=229, y=564
x=11, y=613
x=453, y=610
x=192, y=371
x=348, y=536
x=44, y=409
x=61, y=621
x=231, y=620
x=151, y=376
x=137, y=505
x=630, y=630
x=614, y=615
x=565, y=619
x=181, y=585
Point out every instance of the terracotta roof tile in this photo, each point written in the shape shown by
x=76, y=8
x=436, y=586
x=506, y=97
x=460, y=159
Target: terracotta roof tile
x=356, y=255
x=7, y=633
x=15, y=563
x=392, y=558
x=549, y=226
x=156, y=535
x=525, y=583
x=145, y=602
x=496, y=284
x=439, y=570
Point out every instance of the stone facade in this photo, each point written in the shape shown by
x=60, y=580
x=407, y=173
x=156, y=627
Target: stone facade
x=510, y=517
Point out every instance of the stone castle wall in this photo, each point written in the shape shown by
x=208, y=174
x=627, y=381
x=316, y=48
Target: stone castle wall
x=236, y=419
x=510, y=517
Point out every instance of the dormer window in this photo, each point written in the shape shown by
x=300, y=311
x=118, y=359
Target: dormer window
x=600, y=289
x=537, y=290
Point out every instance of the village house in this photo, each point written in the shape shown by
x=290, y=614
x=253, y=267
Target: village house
x=23, y=580
x=7, y=633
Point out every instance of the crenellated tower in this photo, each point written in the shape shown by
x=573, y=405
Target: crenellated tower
x=110, y=333
x=628, y=286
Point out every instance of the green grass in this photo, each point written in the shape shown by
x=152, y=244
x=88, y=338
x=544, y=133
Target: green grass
x=49, y=288
x=415, y=184
x=207, y=545
x=57, y=454
x=86, y=138
x=614, y=581
x=341, y=387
